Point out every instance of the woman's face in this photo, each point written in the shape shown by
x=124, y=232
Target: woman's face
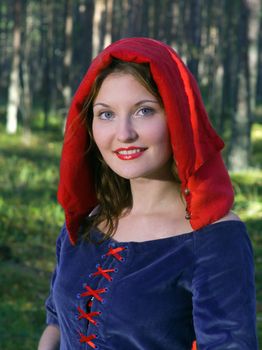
x=130, y=129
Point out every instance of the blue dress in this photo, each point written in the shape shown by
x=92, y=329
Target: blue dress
x=156, y=295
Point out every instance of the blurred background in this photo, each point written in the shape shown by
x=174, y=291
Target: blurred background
x=45, y=48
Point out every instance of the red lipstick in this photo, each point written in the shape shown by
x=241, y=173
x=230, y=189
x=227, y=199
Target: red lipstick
x=129, y=153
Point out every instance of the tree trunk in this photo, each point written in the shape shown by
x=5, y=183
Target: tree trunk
x=108, y=33
x=133, y=18
x=98, y=16
x=228, y=49
x=105, y=30
x=194, y=31
x=213, y=48
x=26, y=102
x=102, y=27
x=47, y=29
x=181, y=27
x=156, y=18
x=4, y=20
x=145, y=18
x=239, y=150
x=89, y=29
x=116, y=26
x=67, y=63
x=82, y=54
x=168, y=22
x=58, y=48
x=14, y=86
x=258, y=97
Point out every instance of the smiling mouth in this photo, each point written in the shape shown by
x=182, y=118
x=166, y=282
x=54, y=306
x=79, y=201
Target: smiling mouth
x=129, y=153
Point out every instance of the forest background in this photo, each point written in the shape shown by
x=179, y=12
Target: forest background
x=45, y=48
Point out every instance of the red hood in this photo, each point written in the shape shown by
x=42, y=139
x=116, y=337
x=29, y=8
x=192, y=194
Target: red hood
x=196, y=146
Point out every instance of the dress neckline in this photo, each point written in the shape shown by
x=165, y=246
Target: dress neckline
x=179, y=237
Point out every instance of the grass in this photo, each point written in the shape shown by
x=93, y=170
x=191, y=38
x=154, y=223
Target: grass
x=248, y=190
x=30, y=220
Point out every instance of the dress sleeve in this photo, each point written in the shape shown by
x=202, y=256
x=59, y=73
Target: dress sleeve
x=51, y=314
x=224, y=307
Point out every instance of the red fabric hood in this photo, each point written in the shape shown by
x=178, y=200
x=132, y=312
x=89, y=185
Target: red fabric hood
x=196, y=147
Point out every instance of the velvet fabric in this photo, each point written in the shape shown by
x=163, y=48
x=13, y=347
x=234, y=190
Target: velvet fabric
x=163, y=292
x=205, y=183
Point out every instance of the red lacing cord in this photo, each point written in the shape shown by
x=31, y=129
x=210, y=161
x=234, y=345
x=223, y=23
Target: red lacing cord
x=104, y=273
x=88, y=339
x=114, y=252
x=88, y=316
x=95, y=293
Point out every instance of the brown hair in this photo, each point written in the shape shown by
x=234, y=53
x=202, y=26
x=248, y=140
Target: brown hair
x=113, y=192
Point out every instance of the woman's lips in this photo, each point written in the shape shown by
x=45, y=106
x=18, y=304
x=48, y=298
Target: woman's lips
x=129, y=153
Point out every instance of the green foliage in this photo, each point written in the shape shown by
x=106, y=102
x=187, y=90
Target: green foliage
x=256, y=158
x=248, y=205
x=30, y=220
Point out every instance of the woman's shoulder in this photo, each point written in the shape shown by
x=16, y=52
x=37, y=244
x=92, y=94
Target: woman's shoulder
x=230, y=223
x=229, y=217
x=227, y=233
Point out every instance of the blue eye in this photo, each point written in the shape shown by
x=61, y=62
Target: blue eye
x=145, y=111
x=106, y=115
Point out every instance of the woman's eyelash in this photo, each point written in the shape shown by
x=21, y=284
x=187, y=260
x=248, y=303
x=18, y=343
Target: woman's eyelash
x=142, y=111
x=146, y=110
x=105, y=115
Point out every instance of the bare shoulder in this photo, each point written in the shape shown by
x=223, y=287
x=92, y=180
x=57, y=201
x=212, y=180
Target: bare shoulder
x=230, y=216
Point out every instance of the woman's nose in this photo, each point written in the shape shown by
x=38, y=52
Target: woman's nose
x=126, y=131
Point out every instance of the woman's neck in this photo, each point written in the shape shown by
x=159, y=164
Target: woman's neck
x=153, y=196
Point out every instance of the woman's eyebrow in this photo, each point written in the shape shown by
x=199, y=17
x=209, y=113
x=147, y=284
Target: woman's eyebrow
x=100, y=104
x=136, y=104
x=145, y=101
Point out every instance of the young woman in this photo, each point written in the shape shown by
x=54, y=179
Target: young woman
x=150, y=257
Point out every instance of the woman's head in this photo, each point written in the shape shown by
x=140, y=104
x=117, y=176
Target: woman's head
x=130, y=139
x=195, y=145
